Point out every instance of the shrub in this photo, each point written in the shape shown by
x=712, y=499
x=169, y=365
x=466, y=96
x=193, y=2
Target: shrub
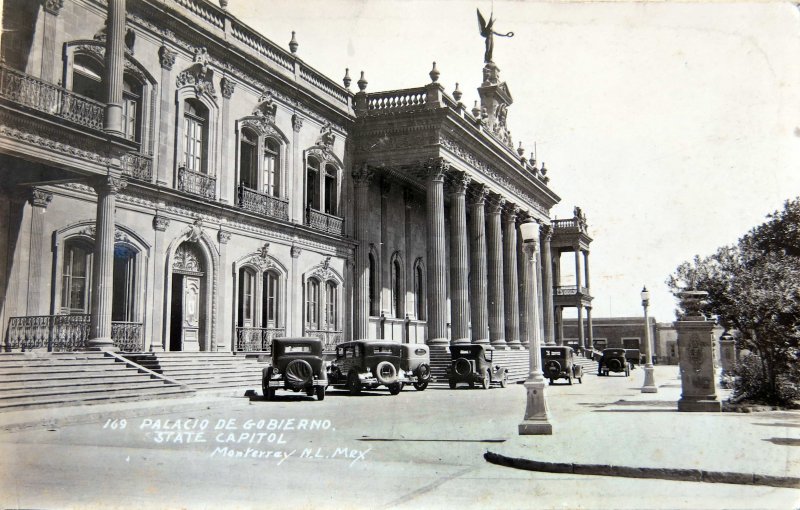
x=751, y=384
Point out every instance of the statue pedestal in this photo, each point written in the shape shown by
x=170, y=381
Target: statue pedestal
x=727, y=354
x=696, y=354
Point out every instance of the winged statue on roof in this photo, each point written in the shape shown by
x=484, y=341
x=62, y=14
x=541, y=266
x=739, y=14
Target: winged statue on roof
x=488, y=33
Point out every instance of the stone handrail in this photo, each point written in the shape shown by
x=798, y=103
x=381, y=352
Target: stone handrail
x=570, y=290
x=398, y=100
x=45, y=97
x=322, y=83
x=201, y=9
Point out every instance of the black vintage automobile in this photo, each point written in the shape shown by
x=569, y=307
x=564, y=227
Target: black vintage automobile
x=415, y=363
x=613, y=360
x=558, y=362
x=473, y=364
x=297, y=365
x=366, y=364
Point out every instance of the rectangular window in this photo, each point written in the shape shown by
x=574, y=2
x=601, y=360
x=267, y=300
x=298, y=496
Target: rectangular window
x=330, y=305
x=193, y=143
x=129, y=106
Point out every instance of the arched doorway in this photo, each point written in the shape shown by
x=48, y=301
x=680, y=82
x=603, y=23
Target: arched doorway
x=188, y=306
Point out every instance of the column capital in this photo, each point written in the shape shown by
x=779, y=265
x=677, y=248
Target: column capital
x=166, y=57
x=53, y=6
x=478, y=194
x=546, y=232
x=40, y=198
x=435, y=168
x=495, y=203
x=295, y=251
x=510, y=212
x=458, y=182
x=362, y=175
x=223, y=236
x=227, y=87
x=386, y=186
x=109, y=184
x=160, y=223
x=297, y=123
x=408, y=197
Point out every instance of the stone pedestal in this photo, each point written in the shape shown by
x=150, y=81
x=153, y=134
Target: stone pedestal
x=727, y=353
x=696, y=356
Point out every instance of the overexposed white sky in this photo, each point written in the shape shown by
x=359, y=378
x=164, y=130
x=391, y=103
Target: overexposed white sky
x=673, y=125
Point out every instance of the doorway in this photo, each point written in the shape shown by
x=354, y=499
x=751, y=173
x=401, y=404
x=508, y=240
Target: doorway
x=188, y=303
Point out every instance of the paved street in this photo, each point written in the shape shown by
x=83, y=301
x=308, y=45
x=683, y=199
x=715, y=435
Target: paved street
x=415, y=450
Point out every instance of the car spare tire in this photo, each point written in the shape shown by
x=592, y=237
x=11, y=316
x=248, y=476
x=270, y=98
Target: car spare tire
x=614, y=365
x=462, y=367
x=552, y=368
x=423, y=372
x=298, y=374
x=386, y=373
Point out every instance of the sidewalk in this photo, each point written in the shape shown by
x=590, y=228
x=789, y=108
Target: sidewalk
x=644, y=436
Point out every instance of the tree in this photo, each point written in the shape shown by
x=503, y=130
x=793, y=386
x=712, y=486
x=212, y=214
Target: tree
x=754, y=289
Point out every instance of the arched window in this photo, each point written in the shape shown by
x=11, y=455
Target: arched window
x=331, y=304
x=331, y=185
x=374, y=302
x=248, y=159
x=76, y=277
x=272, y=166
x=195, y=135
x=271, y=300
x=419, y=291
x=87, y=77
x=397, y=289
x=123, y=304
x=247, y=295
x=312, y=304
x=312, y=183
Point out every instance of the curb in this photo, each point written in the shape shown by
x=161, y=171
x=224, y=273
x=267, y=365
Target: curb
x=686, y=475
x=135, y=412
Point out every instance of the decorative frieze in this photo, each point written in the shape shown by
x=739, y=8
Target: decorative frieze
x=51, y=139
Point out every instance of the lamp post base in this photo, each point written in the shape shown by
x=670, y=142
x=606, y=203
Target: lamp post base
x=536, y=420
x=649, y=380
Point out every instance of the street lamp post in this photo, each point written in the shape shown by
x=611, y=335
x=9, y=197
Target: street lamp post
x=649, y=379
x=536, y=420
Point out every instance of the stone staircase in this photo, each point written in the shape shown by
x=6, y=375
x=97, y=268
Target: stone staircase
x=516, y=361
x=206, y=371
x=35, y=380
x=589, y=366
x=440, y=360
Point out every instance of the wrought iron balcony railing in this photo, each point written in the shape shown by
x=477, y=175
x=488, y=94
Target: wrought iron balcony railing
x=325, y=222
x=257, y=339
x=197, y=183
x=138, y=166
x=262, y=203
x=330, y=339
x=571, y=290
x=45, y=97
x=67, y=333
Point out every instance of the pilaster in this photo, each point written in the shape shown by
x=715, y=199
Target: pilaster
x=51, y=10
x=227, y=87
x=160, y=224
x=225, y=335
x=166, y=131
x=362, y=177
x=39, y=200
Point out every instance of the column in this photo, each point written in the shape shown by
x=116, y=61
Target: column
x=103, y=264
x=510, y=275
x=166, y=128
x=362, y=176
x=39, y=199
x=226, y=87
x=522, y=277
x=494, y=264
x=296, y=207
x=50, y=9
x=437, y=283
x=479, y=304
x=459, y=266
x=578, y=279
x=160, y=224
x=581, y=334
x=560, y=314
x=578, y=294
x=589, y=326
x=296, y=324
x=115, y=64
x=587, y=283
x=225, y=331
x=547, y=285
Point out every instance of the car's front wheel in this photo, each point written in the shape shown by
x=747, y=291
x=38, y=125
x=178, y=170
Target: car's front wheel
x=320, y=392
x=395, y=388
x=452, y=384
x=353, y=383
x=504, y=380
x=486, y=381
x=420, y=386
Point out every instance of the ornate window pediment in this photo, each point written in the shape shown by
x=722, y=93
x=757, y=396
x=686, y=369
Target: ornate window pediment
x=199, y=75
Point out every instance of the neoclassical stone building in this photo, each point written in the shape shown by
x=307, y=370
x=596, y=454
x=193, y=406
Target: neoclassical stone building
x=172, y=180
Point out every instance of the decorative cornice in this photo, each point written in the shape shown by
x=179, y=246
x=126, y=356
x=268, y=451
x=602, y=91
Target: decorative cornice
x=160, y=223
x=166, y=57
x=226, y=87
x=40, y=198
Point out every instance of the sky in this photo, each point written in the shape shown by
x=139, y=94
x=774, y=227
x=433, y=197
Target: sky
x=674, y=126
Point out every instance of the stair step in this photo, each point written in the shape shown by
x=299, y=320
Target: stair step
x=96, y=398
x=85, y=389
x=66, y=381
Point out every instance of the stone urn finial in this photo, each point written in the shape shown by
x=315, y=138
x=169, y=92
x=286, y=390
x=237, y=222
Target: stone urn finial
x=691, y=304
x=476, y=112
x=457, y=94
x=544, y=169
x=362, y=82
x=434, y=74
x=346, y=80
x=293, y=43
x=223, y=4
x=521, y=150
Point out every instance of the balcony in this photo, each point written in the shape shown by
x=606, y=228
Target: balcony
x=571, y=290
x=325, y=222
x=262, y=203
x=197, y=183
x=138, y=166
x=257, y=339
x=68, y=333
x=47, y=98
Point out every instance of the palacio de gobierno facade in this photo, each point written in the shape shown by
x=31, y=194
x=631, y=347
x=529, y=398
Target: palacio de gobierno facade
x=173, y=181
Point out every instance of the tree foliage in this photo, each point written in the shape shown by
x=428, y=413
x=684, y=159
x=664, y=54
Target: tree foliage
x=754, y=290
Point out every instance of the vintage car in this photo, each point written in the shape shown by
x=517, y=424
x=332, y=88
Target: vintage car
x=415, y=363
x=558, y=362
x=473, y=364
x=297, y=365
x=634, y=357
x=367, y=364
x=613, y=360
